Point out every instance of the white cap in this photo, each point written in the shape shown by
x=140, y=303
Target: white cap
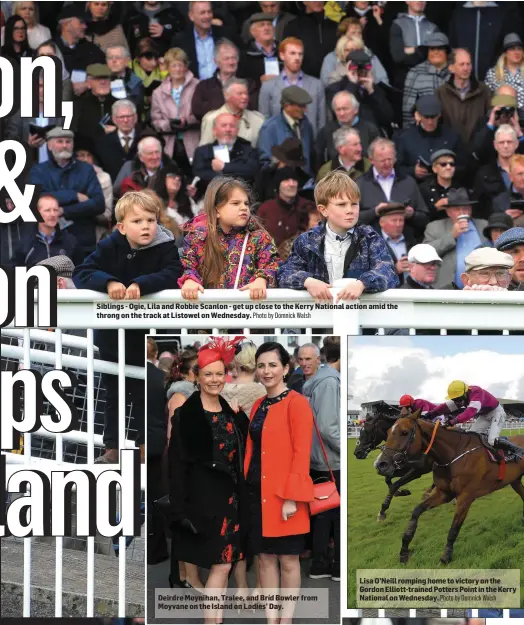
x=423, y=253
x=485, y=257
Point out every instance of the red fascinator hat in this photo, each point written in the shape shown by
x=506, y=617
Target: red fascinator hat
x=218, y=349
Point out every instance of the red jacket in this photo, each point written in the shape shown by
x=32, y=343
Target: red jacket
x=283, y=220
x=286, y=447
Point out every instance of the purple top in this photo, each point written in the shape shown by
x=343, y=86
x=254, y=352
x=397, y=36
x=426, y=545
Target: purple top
x=480, y=403
x=423, y=405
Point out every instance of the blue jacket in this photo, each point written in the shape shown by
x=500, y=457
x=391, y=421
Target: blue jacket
x=372, y=263
x=155, y=267
x=273, y=132
x=33, y=248
x=64, y=183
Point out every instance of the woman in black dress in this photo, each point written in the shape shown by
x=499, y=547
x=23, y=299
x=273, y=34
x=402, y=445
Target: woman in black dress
x=206, y=455
x=278, y=484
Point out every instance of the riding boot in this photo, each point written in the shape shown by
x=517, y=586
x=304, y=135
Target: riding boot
x=503, y=443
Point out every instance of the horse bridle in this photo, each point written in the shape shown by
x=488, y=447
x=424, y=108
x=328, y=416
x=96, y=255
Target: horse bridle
x=402, y=453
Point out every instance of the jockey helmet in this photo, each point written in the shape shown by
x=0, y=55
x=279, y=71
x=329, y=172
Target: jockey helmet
x=457, y=389
x=406, y=400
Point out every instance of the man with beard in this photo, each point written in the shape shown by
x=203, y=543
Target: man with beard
x=512, y=242
x=74, y=184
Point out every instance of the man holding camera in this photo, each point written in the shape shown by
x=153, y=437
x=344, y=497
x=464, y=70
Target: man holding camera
x=456, y=237
x=374, y=106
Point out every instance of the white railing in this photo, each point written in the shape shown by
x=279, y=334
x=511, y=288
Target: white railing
x=286, y=310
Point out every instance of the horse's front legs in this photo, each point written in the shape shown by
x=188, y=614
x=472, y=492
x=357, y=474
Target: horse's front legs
x=464, y=502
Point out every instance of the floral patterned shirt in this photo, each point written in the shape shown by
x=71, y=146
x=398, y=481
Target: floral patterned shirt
x=261, y=259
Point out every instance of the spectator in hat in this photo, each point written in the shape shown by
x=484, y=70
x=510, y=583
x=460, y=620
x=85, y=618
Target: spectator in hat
x=159, y=21
x=92, y=118
x=346, y=108
x=350, y=155
x=318, y=33
x=85, y=153
x=481, y=28
x=465, y=100
x=64, y=268
x=313, y=219
x=290, y=122
x=291, y=53
x=198, y=40
x=74, y=48
x=259, y=60
x=171, y=106
x=399, y=238
x=146, y=66
x=383, y=184
x=509, y=69
x=286, y=214
x=408, y=35
x=486, y=269
x=236, y=102
x=45, y=239
x=73, y=184
x=426, y=77
x=503, y=111
x=280, y=19
x=511, y=201
x=118, y=147
x=374, y=106
x=416, y=144
x=456, y=237
x=32, y=130
x=125, y=84
x=209, y=94
x=512, y=242
x=435, y=187
x=498, y=223
x=493, y=179
x=423, y=265
x=288, y=154
x=103, y=25
x=227, y=155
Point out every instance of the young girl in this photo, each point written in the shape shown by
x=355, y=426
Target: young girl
x=227, y=248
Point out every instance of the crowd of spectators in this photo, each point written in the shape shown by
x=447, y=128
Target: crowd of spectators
x=420, y=104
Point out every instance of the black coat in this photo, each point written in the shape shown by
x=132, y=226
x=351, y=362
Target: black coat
x=243, y=162
x=252, y=65
x=156, y=411
x=33, y=248
x=89, y=111
x=409, y=235
x=136, y=27
x=488, y=185
x=83, y=54
x=432, y=192
x=319, y=35
x=325, y=148
x=186, y=40
x=111, y=155
x=374, y=108
x=209, y=96
x=200, y=484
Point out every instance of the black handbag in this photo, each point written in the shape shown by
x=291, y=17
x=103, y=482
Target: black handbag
x=163, y=505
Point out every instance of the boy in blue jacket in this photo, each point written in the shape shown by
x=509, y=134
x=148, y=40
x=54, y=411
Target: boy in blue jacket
x=139, y=258
x=338, y=248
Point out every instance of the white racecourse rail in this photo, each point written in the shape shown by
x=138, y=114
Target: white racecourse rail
x=222, y=310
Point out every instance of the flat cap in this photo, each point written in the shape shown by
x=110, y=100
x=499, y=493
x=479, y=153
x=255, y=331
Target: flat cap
x=437, y=40
x=72, y=10
x=63, y=265
x=509, y=239
x=429, y=106
x=504, y=100
x=512, y=40
x=98, y=70
x=486, y=257
x=440, y=153
x=261, y=17
x=423, y=253
x=295, y=95
x=56, y=132
x=358, y=57
x=391, y=208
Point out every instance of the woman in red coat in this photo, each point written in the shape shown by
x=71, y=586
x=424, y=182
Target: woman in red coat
x=277, y=477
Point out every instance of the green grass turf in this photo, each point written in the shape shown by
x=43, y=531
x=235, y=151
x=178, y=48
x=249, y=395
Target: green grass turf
x=492, y=536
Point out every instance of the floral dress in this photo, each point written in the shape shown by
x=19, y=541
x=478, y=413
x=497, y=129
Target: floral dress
x=228, y=547
x=281, y=545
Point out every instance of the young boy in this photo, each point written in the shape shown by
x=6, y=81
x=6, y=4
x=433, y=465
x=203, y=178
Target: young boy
x=338, y=248
x=139, y=258
x=45, y=239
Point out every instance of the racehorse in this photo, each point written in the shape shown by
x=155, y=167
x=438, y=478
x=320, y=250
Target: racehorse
x=375, y=431
x=462, y=469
